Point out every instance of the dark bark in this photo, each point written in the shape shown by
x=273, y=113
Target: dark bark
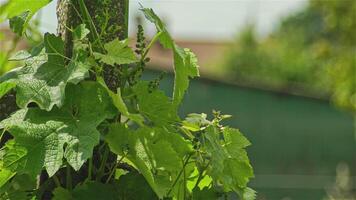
x=110, y=12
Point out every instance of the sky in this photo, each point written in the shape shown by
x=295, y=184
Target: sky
x=213, y=20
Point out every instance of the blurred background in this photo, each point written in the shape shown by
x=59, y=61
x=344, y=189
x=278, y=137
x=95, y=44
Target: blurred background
x=285, y=69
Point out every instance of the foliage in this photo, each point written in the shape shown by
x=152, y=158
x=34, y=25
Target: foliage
x=313, y=50
x=67, y=114
x=22, y=26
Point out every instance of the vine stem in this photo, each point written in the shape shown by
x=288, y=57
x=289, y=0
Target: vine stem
x=2, y=133
x=103, y=163
x=114, y=168
x=90, y=170
x=68, y=178
x=201, y=175
x=184, y=186
x=180, y=173
x=154, y=39
x=90, y=23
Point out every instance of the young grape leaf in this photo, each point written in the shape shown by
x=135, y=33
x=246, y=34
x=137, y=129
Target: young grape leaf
x=234, y=139
x=155, y=105
x=194, y=122
x=80, y=32
x=150, y=151
x=229, y=162
x=43, y=79
x=20, y=12
x=186, y=67
x=164, y=37
x=40, y=136
x=185, y=62
x=118, y=52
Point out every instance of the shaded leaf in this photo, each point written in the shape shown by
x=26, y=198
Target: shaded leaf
x=95, y=191
x=19, y=188
x=133, y=186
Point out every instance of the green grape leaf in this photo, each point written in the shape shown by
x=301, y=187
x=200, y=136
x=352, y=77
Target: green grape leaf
x=133, y=186
x=6, y=87
x=186, y=67
x=120, y=104
x=118, y=52
x=164, y=37
x=155, y=105
x=43, y=78
x=239, y=172
x=18, y=23
x=185, y=62
x=41, y=136
x=20, y=12
x=229, y=162
x=32, y=144
x=234, y=139
x=150, y=151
